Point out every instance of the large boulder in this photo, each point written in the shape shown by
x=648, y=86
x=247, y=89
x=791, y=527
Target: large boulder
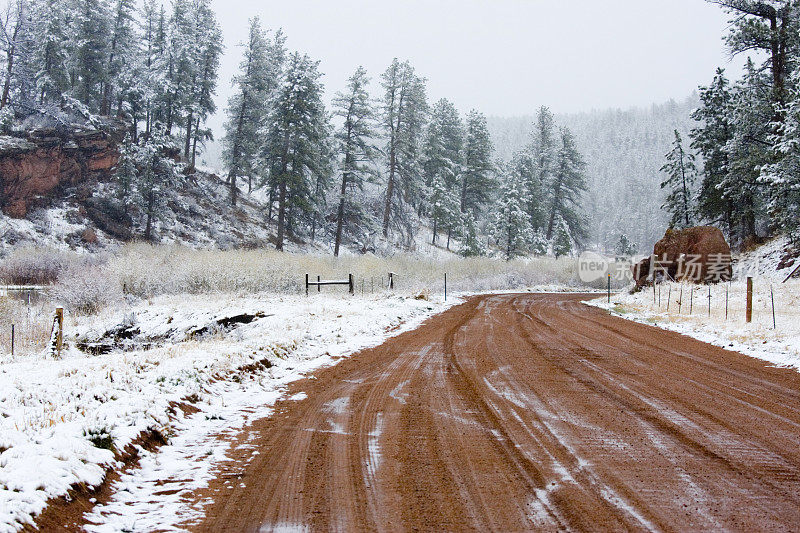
x=698, y=254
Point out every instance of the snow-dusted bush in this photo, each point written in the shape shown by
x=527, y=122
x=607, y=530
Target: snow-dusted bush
x=87, y=288
x=33, y=266
x=147, y=271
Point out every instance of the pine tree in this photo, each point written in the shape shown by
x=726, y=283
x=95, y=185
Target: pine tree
x=562, y=243
x=356, y=152
x=535, y=165
x=477, y=179
x=146, y=175
x=568, y=184
x=444, y=142
x=403, y=114
x=445, y=211
x=16, y=31
x=471, y=245
x=772, y=27
x=92, y=28
x=681, y=173
x=296, y=151
x=123, y=51
x=511, y=229
x=783, y=176
x=747, y=151
x=247, y=108
x=709, y=140
x=624, y=246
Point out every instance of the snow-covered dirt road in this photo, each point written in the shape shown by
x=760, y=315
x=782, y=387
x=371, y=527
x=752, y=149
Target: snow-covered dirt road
x=522, y=412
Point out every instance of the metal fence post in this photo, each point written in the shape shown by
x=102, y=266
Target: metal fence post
x=445, y=286
x=12, y=340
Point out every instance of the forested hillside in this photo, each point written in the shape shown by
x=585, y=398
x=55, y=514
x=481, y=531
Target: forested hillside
x=624, y=152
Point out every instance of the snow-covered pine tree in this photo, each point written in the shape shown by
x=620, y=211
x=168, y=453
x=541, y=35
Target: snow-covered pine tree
x=50, y=55
x=681, y=174
x=297, y=148
x=207, y=51
x=624, y=246
x=92, y=35
x=404, y=109
x=477, y=178
x=442, y=167
x=562, y=243
x=538, y=173
x=123, y=54
x=356, y=153
x=146, y=175
x=567, y=186
x=771, y=27
x=709, y=140
x=247, y=108
x=471, y=245
x=748, y=150
x=444, y=208
x=510, y=225
x=782, y=177
x=17, y=31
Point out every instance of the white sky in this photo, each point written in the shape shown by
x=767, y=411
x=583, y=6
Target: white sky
x=503, y=57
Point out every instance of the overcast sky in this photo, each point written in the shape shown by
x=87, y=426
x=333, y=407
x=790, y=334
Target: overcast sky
x=503, y=57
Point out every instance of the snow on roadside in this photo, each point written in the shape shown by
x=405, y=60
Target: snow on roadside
x=60, y=419
x=779, y=345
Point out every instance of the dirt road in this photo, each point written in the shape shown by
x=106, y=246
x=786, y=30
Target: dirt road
x=519, y=413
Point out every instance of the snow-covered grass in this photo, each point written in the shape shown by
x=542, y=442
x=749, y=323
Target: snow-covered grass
x=63, y=422
x=688, y=314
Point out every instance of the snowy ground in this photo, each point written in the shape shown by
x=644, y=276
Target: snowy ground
x=688, y=309
x=60, y=420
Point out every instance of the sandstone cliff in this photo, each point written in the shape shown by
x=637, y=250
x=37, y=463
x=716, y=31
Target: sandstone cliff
x=35, y=164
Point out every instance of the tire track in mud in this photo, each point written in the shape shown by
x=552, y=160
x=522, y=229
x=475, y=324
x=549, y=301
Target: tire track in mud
x=520, y=413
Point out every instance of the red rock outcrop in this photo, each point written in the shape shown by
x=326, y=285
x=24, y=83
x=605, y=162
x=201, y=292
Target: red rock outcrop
x=36, y=165
x=698, y=254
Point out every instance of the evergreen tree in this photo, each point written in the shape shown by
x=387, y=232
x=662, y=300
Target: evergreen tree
x=681, y=172
x=444, y=142
x=296, y=151
x=471, y=245
x=356, y=152
x=247, y=108
x=624, y=247
x=568, y=184
x=562, y=243
x=510, y=228
x=748, y=150
x=16, y=31
x=146, y=175
x=92, y=29
x=771, y=27
x=51, y=53
x=709, y=140
x=444, y=208
x=783, y=176
x=403, y=114
x=536, y=166
x=477, y=179
x=123, y=52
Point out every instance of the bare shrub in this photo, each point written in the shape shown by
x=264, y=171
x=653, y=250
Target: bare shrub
x=33, y=266
x=87, y=288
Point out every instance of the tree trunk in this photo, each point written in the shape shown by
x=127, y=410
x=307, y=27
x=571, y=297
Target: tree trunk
x=433, y=240
x=389, y=193
x=556, y=200
x=148, y=230
x=281, y=215
x=194, y=142
x=340, y=210
x=188, y=145
x=449, y=232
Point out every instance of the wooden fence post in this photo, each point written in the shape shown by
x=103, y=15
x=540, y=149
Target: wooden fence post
x=609, y=288
x=391, y=280
x=445, y=286
x=772, y=297
x=12, y=340
x=306, y=284
x=352, y=286
x=749, y=311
